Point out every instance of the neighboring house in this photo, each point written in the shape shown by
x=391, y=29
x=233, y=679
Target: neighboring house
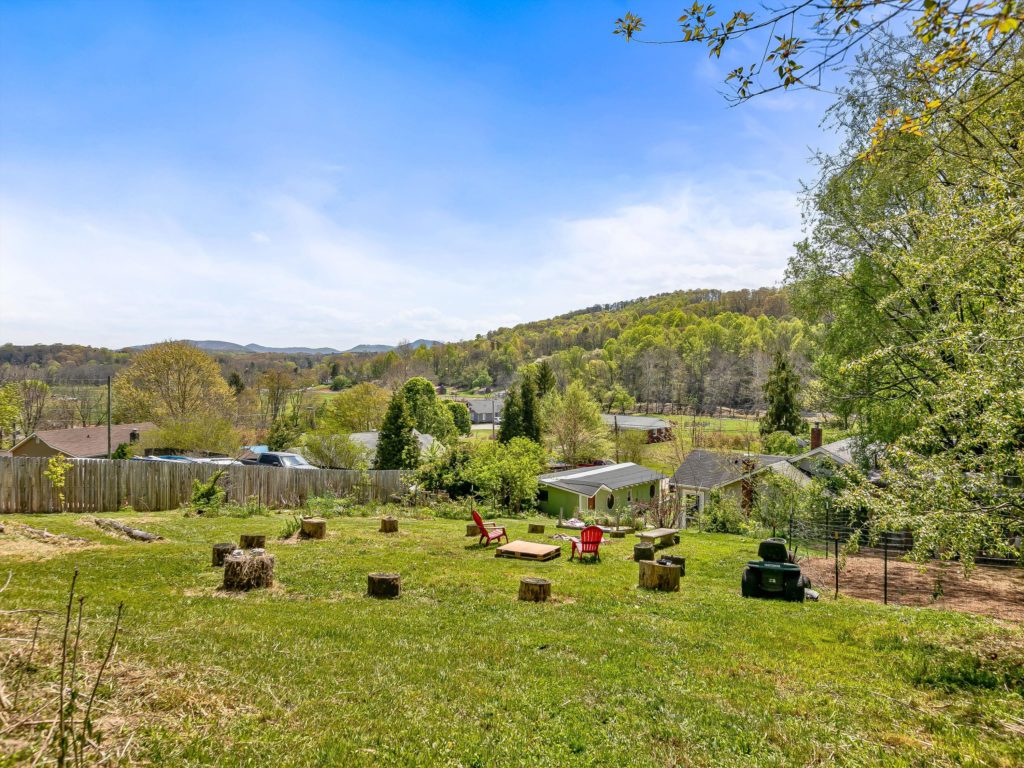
x=80, y=442
x=368, y=440
x=658, y=430
x=593, y=490
x=484, y=410
x=728, y=474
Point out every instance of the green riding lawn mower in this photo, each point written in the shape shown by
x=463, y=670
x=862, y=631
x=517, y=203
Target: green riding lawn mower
x=776, y=575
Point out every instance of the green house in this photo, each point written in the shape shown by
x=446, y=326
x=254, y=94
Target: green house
x=589, y=491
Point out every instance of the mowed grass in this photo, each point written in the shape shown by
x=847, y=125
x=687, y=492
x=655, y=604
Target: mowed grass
x=458, y=672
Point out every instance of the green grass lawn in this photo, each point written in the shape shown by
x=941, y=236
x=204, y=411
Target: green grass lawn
x=458, y=672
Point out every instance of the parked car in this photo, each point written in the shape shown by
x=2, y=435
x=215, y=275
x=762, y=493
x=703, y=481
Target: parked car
x=182, y=459
x=221, y=461
x=280, y=459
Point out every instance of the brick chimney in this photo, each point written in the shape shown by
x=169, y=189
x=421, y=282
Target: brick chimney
x=816, y=435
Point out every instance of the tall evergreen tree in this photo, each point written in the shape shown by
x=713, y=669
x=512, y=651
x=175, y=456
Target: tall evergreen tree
x=530, y=427
x=397, y=446
x=545, y=378
x=511, y=417
x=781, y=389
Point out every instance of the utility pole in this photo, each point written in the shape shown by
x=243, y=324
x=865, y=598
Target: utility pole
x=494, y=419
x=108, y=418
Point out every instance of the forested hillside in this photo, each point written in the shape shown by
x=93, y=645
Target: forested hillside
x=699, y=348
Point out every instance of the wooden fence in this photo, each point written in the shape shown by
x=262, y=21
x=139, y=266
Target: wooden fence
x=98, y=485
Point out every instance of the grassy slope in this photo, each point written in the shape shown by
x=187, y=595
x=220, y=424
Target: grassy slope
x=458, y=672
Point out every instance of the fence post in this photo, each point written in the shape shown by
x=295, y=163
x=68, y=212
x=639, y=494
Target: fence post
x=835, y=537
x=885, y=569
x=826, y=533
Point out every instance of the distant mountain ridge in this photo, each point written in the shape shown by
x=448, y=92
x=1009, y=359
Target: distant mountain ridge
x=214, y=345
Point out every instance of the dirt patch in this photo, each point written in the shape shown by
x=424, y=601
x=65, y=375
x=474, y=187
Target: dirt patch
x=27, y=543
x=990, y=591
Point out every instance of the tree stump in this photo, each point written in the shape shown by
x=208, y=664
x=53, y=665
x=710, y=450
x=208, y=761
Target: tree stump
x=244, y=572
x=252, y=541
x=384, y=585
x=676, y=560
x=534, y=590
x=389, y=524
x=314, y=528
x=472, y=530
x=617, y=535
x=220, y=551
x=643, y=551
x=535, y=528
x=656, y=576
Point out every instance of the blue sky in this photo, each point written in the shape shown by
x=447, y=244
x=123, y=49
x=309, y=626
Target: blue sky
x=337, y=173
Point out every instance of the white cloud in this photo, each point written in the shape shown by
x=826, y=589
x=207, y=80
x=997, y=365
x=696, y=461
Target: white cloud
x=307, y=280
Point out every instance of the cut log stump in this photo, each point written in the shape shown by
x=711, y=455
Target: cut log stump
x=252, y=541
x=220, y=551
x=389, y=524
x=314, y=528
x=534, y=590
x=643, y=551
x=661, y=577
x=384, y=585
x=245, y=571
x=535, y=528
x=472, y=530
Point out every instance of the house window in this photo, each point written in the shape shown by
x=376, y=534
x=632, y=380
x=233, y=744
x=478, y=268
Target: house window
x=629, y=495
x=652, y=490
x=611, y=500
x=542, y=495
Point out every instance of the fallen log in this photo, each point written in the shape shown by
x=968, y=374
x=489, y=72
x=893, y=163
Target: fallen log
x=127, y=530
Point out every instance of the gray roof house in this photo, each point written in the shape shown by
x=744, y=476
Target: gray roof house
x=704, y=472
x=483, y=410
x=368, y=440
x=658, y=430
x=598, y=489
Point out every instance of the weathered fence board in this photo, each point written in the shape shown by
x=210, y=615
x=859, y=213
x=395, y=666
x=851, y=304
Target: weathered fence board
x=97, y=485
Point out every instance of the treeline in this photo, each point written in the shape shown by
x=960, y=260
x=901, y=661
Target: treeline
x=697, y=349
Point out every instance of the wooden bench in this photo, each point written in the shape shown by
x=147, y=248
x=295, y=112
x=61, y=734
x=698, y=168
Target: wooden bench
x=663, y=536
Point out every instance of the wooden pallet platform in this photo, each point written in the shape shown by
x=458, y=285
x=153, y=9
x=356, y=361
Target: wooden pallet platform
x=529, y=550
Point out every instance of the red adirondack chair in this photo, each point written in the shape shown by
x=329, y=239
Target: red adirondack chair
x=588, y=543
x=488, y=531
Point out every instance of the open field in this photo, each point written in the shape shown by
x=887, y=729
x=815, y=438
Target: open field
x=458, y=672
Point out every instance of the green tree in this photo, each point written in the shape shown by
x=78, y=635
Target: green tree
x=333, y=450
x=123, y=451
x=358, y=409
x=429, y=414
x=236, y=383
x=545, y=378
x=170, y=382
x=780, y=443
x=914, y=266
x=10, y=410
x=460, y=416
x=507, y=472
x=572, y=422
x=618, y=399
x=284, y=433
x=397, y=446
x=511, y=417
x=781, y=391
x=482, y=379
x=529, y=410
